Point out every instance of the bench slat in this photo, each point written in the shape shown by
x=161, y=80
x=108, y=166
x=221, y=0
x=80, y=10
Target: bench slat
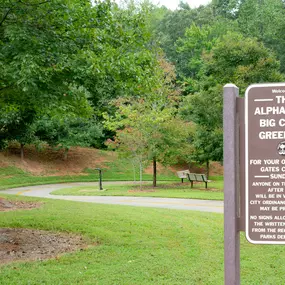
x=197, y=177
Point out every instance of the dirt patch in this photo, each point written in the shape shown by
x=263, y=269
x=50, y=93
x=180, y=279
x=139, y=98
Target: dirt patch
x=6, y=205
x=30, y=245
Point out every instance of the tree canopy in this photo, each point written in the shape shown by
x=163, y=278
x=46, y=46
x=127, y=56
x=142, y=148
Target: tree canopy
x=79, y=72
x=68, y=58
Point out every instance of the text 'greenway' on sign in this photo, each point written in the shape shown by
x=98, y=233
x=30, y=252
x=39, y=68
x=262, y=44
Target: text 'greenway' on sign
x=265, y=163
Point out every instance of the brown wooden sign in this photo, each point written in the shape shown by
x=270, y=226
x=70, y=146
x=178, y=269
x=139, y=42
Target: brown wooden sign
x=265, y=163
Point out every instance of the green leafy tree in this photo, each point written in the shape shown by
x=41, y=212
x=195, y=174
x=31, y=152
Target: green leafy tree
x=131, y=143
x=264, y=20
x=226, y=8
x=197, y=41
x=204, y=109
x=233, y=58
x=172, y=27
x=161, y=135
x=240, y=60
x=65, y=132
x=70, y=54
x=16, y=125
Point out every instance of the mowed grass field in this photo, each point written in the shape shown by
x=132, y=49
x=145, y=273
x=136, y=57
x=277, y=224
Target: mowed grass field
x=137, y=246
x=163, y=189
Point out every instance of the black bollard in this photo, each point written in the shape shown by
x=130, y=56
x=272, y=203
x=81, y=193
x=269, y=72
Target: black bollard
x=100, y=178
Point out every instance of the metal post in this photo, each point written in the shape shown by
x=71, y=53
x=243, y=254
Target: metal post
x=100, y=178
x=231, y=186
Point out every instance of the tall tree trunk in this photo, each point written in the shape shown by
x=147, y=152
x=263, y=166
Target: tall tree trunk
x=154, y=171
x=22, y=151
x=207, y=168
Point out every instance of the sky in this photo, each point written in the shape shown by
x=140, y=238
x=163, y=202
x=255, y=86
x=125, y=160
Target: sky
x=173, y=4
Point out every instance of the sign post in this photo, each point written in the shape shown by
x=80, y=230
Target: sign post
x=265, y=163
x=254, y=170
x=231, y=186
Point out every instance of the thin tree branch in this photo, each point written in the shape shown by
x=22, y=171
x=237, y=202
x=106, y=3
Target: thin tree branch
x=5, y=16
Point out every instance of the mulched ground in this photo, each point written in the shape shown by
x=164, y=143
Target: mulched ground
x=29, y=245
x=32, y=244
x=6, y=205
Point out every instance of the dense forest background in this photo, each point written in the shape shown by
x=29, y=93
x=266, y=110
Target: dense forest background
x=140, y=79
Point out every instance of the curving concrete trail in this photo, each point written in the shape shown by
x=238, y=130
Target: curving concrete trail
x=43, y=191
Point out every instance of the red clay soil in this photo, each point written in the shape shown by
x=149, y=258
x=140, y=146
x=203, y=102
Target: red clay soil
x=30, y=245
x=52, y=163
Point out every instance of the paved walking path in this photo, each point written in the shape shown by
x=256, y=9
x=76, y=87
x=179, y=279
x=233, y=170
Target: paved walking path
x=43, y=191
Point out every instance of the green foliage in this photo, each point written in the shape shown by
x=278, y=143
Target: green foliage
x=64, y=132
x=70, y=58
x=232, y=58
x=173, y=26
x=198, y=40
x=235, y=58
x=226, y=8
x=265, y=20
x=151, y=130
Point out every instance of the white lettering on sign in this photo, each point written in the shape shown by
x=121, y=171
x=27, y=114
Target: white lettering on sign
x=271, y=123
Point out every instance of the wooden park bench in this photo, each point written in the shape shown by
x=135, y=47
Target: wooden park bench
x=183, y=174
x=199, y=178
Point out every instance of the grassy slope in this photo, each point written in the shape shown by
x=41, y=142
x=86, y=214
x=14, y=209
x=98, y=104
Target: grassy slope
x=47, y=167
x=138, y=246
x=11, y=177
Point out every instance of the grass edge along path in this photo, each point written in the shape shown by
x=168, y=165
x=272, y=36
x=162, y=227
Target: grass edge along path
x=163, y=190
x=137, y=246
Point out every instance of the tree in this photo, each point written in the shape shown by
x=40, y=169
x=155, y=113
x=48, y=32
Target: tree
x=152, y=135
x=226, y=8
x=70, y=54
x=16, y=125
x=204, y=109
x=264, y=20
x=172, y=27
x=65, y=132
x=38, y=43
x=240, y=60
x=233, y=58
x=132, y=144
x=198, y=40
x=152, y=119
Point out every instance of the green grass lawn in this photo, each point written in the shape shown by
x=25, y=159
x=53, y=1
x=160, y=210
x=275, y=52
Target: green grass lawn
x=137, y=245
x=167, y=190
